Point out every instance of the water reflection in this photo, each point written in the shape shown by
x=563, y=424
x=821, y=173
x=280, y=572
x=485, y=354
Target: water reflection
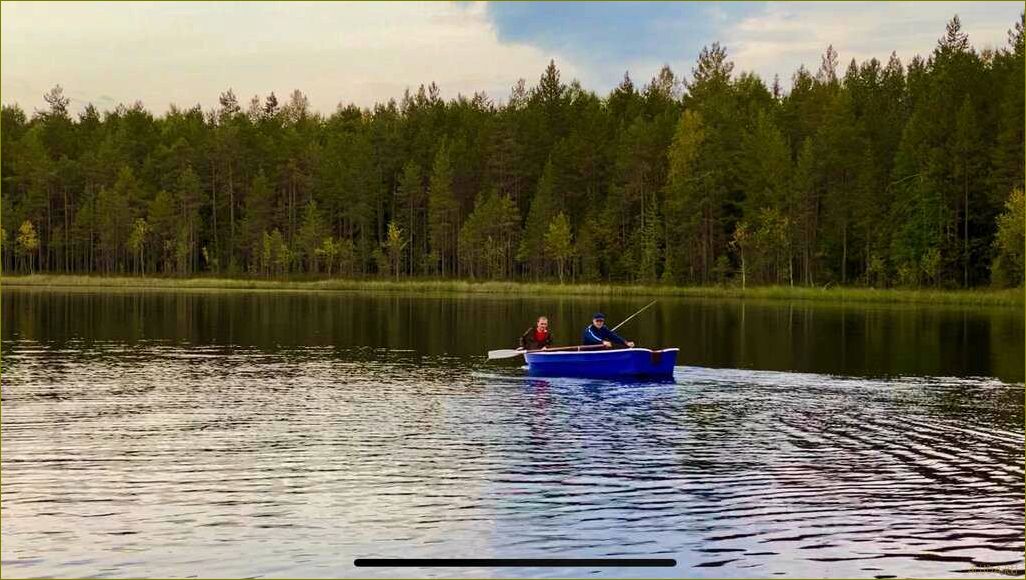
x=875, y=340
x=243, y=436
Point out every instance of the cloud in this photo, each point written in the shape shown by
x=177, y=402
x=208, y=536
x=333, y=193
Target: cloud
x=368, y=52
x=783, y=36
x=606, y=38
x=189, y=52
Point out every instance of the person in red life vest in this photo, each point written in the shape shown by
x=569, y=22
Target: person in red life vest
x=538, y=336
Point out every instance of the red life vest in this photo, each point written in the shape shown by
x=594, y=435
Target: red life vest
x=540, y=336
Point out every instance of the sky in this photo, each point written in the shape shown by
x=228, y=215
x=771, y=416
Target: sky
x=187, y=53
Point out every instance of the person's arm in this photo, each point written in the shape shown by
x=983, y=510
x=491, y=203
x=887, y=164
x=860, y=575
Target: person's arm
x=524, y=337
x=614, y=337
x=548, y=341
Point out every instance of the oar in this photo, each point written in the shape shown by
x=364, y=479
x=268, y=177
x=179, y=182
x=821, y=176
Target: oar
x=633, y=315
x=510, y=353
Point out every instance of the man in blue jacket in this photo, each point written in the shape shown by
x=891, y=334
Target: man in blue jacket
x=598, y=333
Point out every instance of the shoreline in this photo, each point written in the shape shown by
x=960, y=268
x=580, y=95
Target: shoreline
x=983, y=297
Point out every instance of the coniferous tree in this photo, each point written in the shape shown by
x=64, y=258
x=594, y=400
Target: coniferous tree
x=311, y=236
x=489, y=237
x=968, y=162
x=559, y=243
x=258, y=219
x=543, y=208
x=687, y=254
x=878, y=173
x=163, y=220
x=442, y=210
x=1009, y=66
x=410, y=213
x=190, y=196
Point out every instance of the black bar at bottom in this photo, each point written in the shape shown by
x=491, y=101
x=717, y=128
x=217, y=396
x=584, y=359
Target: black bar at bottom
x=514, y=562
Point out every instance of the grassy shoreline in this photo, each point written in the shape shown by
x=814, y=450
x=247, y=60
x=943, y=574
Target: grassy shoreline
x=984, y=297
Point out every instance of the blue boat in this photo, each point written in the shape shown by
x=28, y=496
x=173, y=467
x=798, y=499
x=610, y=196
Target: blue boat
x=621, y=363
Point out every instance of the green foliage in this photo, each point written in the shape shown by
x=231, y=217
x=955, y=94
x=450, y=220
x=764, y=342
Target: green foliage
x=684, y=197
x=442, y=208
x=258, y=214
x=346, y=257
x=137, y=243
x=1010, y=244
x=183, y=249
x=489, y=237
x=279, y=254
x=764, y=248
x=114, y=218
x=837, y=295
x=872, y=173
x=648, y=245
x=543, y=209
x=410, y=212
x=27, y=243
x=766, y=174
x=721, y=269
x=394, y=246
x=163, y=218
x=328, y=253
x=28, y=240
x=558, y=242
x=266, y=254
x=311, y=235
x=188, y=191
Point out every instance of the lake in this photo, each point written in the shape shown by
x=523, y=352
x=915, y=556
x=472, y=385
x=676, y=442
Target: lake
x=245, y=433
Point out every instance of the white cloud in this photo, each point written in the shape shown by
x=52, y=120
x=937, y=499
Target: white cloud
x=783, y=36
x=189, y=52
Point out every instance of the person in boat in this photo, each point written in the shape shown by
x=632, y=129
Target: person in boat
x=537, y=337
x=599, y=333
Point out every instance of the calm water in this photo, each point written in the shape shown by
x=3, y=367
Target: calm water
x=259, y=434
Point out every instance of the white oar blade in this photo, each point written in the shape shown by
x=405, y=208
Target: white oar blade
x=506, y=353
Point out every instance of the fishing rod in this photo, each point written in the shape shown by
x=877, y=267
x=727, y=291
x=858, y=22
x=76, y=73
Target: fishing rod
x=633, y=315
x=510, y=353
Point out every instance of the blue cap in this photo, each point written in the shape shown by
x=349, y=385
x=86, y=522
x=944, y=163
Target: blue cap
x=598, y=316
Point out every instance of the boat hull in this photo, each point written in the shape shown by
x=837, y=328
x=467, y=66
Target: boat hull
x=614, y=364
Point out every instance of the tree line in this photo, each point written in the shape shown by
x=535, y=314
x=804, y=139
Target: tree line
x=873, y=173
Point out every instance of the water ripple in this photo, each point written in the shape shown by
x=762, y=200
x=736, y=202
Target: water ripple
x=172, y=459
